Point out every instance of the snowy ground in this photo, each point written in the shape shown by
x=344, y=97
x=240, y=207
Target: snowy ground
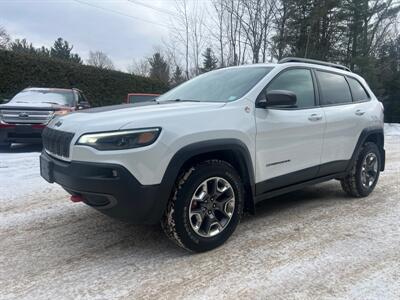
x=315, y=243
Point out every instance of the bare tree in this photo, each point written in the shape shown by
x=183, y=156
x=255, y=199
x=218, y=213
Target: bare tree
x=219, y=8
x=4, y=38
x=196, y=25
x=181, y=26
x=256, y=20
x=100, y=60
x=140, y=67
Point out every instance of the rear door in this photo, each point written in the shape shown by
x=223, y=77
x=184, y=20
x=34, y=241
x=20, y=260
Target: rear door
x=344, y=121
x=289, y=140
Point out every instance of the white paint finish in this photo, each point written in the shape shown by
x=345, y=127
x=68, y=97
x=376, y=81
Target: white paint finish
x=282, y=134
x=344, y=126
x=197, y=122
x=287, y=135
x=311, y=244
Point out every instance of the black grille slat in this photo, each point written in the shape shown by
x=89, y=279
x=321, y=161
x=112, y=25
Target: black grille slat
x=56, y=141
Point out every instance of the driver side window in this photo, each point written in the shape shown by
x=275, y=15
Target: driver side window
x=298, y=81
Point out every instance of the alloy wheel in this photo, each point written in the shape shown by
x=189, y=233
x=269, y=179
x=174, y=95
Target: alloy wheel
x=211, y=207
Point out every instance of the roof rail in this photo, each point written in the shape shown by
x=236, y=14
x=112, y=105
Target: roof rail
x=313, y=61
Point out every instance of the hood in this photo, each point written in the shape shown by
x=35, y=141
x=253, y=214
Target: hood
x=138, y=115
x=31, y=106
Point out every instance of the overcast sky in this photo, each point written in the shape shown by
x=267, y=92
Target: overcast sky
x=116, y=27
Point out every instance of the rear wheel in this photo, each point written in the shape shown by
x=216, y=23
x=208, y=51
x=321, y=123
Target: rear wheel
x=206, y=206
x=363, y=177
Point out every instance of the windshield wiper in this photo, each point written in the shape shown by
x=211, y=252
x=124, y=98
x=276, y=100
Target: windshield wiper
x=180, y=100
x=51, y=102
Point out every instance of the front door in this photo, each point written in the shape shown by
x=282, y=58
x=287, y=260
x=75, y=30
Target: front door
x=289, y=140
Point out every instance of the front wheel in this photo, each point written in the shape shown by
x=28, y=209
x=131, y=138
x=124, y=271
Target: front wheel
x=206, y=206
x=364, y=174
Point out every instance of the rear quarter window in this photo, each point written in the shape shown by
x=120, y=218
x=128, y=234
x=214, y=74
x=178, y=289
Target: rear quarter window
x=334, y=88
x=357, y=90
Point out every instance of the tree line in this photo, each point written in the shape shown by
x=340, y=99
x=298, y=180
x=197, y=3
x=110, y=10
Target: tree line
x=361, y=34
x=206, y=35
x=61, y=49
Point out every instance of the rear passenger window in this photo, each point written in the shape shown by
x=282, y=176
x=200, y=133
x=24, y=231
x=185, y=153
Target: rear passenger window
x=359, y=93
x=334, y=88
x=298, y=81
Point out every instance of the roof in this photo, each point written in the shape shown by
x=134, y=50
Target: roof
x=314, y=62
x=48, y=89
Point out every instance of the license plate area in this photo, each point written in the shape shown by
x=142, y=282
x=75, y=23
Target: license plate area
x=46, y=169
x=21, y=129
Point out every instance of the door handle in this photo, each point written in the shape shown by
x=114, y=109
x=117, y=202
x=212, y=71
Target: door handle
x=359, y=112
x=315, y=117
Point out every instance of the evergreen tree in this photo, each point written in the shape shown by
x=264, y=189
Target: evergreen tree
x=159, y=68
x=209, y=61
x=177, y=77
x=22, y=46
x=62, y=50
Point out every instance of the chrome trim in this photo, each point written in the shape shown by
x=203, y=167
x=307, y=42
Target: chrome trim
x=66, y=159
x=13, y=116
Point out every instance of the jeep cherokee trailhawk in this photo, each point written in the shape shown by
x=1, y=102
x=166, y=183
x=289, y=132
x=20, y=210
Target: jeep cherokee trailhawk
x=211, y=148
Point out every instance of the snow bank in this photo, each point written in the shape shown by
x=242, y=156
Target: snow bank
x=392, y=129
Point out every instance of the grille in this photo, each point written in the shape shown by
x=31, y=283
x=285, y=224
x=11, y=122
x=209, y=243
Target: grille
x=26, y=116
x=57, y=142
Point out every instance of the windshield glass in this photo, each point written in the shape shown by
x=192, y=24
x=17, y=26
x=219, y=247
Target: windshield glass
x=218, y=86
x=45, y=96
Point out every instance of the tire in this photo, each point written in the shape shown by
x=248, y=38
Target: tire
x=354, y=184
x=187, y=228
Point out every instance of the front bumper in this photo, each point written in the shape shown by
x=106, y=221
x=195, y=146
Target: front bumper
x=109, y=188
x=21, y=133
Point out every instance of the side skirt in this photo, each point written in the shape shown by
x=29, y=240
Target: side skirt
x=297, y=186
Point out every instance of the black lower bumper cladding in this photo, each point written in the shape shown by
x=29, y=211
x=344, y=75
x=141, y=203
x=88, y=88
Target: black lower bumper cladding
x=109, y=188
x=19, y=133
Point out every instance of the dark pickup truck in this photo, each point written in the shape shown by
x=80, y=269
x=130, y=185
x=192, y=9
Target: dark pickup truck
x=23, y=118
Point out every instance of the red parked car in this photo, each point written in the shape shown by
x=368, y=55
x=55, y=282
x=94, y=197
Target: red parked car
x=140, y=97
x=23, y=118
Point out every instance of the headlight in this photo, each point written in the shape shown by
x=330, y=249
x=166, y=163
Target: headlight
x=120, y=140
x=62, y=112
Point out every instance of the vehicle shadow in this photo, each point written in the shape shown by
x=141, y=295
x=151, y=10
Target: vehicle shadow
x=314, y=195
x=144, y=241
x=23, y=148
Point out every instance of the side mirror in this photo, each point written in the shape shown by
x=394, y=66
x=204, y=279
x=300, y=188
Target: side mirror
x=83, y=105
x=277, y=98
x=5, y=100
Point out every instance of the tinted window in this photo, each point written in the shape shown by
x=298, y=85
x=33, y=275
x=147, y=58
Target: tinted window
x=141, y=98
x=221, y=85
x=298, y=81
x=357, y=90
x=334, y=88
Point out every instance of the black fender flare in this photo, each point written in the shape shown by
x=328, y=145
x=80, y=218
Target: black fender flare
x=190, y=151
x=364, y=135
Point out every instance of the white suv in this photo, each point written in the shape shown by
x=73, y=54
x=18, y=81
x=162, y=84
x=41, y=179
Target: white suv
x=202, y=153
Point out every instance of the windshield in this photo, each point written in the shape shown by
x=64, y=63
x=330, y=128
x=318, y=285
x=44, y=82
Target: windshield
x=45, y=96
x=218, y=86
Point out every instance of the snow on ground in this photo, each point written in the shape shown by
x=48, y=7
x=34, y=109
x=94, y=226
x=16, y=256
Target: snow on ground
x=392, y=129
x=315, y=243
